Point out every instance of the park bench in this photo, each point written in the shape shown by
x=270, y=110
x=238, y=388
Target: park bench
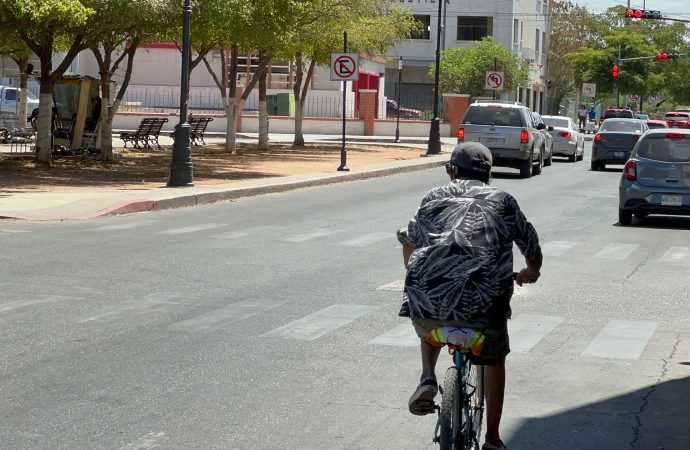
x=198, y=128
x=146, y=134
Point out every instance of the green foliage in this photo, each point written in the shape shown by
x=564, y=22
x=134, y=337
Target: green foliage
x=463, y=70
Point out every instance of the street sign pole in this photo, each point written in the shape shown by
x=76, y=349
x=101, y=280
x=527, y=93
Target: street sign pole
x=343, y=153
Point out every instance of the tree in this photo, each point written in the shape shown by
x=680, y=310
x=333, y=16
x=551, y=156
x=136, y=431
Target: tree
x=54, y=25
x=13, y=47
x=463, y=69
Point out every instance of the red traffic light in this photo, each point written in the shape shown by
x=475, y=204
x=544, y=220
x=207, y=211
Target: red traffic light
x=615, y=70
x=642, y=14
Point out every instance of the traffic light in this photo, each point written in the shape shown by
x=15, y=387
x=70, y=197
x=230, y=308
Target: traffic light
x=669, y=55
x=615, y=70
x=642, y=14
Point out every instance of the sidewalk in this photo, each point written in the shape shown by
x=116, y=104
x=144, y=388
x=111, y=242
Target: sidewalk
x=79, y=203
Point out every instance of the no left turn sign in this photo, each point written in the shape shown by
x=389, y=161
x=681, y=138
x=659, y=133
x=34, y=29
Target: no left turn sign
x=344, y=66
x=493, y=81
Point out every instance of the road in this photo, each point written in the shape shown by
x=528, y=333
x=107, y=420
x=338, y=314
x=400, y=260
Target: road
x=271, y=323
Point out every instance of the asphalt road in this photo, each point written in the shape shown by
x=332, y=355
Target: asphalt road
x=271, y=323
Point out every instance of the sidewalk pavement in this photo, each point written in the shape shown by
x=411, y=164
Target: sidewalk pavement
x=81, y=204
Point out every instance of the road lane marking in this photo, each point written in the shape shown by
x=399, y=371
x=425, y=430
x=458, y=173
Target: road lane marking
x=395, y=286
x=222, y=317
x=402, y=335
x=676, y=254
x=13, y=231
x=193, y=229
x=557, y=248
x=42, y=299
x=151, y=440
x=321, y=322
x=148, y=303
x=616, y=251
x=124, y=226
x=621, y=339
x=368, y=239
x=310, y=236
x=528, y=330
x=236, y=234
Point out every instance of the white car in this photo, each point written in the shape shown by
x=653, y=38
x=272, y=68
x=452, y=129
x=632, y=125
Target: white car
x=567, y=139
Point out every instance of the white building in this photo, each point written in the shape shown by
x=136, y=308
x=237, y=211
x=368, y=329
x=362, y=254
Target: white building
x=519, y=25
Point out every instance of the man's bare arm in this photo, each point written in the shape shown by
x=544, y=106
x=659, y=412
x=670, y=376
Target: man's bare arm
x=407, y=252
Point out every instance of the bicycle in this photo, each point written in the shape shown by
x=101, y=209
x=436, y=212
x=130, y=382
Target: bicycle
x=460, y=415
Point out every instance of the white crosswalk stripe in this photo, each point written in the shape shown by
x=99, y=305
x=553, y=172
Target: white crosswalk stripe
x=124, y=226
x=556, y=248
x=236, y=234
x=616, y=251
x=321, y=322
x=310, y=236
x=621, y=339
x=149, y=303
x=222, y=317
x=676, y=254
x=528, y=330
x=402, y=335
x=395, y=286
x=368, y=239
x=192, y=229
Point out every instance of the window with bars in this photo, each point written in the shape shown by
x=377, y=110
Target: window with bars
x=473, y=28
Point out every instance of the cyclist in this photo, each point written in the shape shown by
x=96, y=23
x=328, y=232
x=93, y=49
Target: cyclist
x=458, y=253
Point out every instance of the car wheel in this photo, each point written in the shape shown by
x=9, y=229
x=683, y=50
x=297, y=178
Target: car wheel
x=595, y=166
x=573, y=157
x=624, y=217
x=526, y=167
x=640, y=216
x=602, y=166
x=540, y=163
x=549, y=160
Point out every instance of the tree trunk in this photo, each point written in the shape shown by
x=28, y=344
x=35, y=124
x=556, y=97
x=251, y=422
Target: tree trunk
x=44, y=148
x=263, y=114
x=300, y=89
x=232, y=112
x=23, y=92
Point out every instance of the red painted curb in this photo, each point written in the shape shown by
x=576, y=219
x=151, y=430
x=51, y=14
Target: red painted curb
x=128, y=207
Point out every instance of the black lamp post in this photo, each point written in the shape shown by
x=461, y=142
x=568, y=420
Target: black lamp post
x=181, y=166
x=434, y=145
x=397, y=122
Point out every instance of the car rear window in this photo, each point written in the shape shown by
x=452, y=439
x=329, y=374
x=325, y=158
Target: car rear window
x=655, y=125
x=677, y=116
x=619, y=114
x=665, y=149
x=620, y=125
x=489, y=115
x=554, y=122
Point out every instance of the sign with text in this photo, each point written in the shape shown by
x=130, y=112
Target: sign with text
x=344, y=66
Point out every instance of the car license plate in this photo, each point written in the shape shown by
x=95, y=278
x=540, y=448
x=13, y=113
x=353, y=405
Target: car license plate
x=619, y=154
x=672, y=200
x=491, y=142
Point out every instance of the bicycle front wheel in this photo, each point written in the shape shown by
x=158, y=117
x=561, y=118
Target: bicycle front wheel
x=451, y=411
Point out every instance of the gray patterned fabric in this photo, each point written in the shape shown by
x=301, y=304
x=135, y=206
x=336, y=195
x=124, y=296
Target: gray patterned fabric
x=463, y=235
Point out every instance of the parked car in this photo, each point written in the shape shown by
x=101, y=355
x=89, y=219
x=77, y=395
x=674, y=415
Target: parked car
x=653, y=124
x=615, y=141
x=548, y=139
x=617, y=113
x=567, y=139
x=9, y=101
x=405, y=113
x=509, y=130
x=656, y=178
x=677, y=119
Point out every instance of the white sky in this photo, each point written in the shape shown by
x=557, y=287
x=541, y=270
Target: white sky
x=672, y=8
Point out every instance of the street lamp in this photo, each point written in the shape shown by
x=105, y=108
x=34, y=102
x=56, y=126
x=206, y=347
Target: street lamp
x=397, y=122
x=181, y=166
x=434, y=145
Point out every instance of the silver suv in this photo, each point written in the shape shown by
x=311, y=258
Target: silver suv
x=510, y=131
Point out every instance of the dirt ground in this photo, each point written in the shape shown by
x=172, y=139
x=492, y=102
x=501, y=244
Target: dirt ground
x=211, y=165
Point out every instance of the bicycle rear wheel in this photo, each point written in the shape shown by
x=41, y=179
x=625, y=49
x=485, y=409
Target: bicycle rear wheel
x=472, y=393
x=450, y=410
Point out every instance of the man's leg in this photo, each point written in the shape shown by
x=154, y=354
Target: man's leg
x=429, y=358
x=494, y=390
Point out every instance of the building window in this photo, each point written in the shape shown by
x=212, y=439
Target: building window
x=424, y=22
x=537, y=38
x=516, y=31
x=474, y=28
x=543, y=42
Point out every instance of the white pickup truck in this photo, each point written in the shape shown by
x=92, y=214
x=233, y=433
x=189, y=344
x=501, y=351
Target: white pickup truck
x=9, y=100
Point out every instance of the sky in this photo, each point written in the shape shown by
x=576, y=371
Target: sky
x=674, y=8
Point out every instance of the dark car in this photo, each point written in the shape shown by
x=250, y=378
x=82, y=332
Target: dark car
x=656, y=178
x=617, y=113
x=615, y=140
x=405, y=113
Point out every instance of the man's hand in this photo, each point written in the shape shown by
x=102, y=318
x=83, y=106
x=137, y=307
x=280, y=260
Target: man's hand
x=527, y=275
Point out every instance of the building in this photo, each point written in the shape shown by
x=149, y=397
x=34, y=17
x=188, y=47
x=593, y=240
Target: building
x=519, y=25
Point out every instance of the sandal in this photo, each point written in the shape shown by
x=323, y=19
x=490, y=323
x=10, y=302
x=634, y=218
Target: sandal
x=421, y=402
x=501, y=446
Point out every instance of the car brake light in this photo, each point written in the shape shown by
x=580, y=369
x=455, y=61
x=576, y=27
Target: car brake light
x=675, y=135
x=597, y=138
x=565, y=134
x=524, y=137
x=461, y=133
x=630, y=170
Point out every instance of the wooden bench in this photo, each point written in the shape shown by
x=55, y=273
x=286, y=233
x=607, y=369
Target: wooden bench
x=198, y=128
x=146, y=134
